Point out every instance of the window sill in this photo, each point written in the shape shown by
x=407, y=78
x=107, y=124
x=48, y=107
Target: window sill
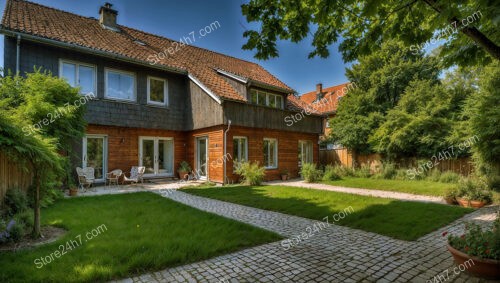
x=271, y=168
x=157, y=106
x=120, y=100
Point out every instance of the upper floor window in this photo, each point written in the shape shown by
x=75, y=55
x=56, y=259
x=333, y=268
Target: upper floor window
x=119, y=85
x=270, y=153
x=79, y=75
x=240, y=153
x=259, y=97
x=157, y=91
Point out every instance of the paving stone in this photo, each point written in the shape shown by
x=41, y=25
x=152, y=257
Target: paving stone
x=334, y=254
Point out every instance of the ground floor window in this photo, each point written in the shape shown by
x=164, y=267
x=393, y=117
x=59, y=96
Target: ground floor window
x=94, y=154
x=270, y=153
x=305, y=152
x=240, y=152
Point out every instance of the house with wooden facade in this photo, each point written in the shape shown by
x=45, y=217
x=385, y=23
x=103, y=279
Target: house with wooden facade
x=193, y=104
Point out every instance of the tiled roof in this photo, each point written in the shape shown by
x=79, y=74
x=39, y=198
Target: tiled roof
x=46, y=22
x=329, y=100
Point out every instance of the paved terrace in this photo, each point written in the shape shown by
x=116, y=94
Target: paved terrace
x=333, y=254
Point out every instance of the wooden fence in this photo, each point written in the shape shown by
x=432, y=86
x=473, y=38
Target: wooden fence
x=12, y=176
x=344, y=157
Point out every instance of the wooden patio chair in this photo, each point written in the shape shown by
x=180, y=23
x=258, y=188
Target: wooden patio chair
x=136, y=175
x=113, y=177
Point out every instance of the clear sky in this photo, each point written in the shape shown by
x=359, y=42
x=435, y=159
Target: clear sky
x=177, y=18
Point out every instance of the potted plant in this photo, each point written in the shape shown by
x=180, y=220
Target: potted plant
x=73, y=190
x=473, y=192
x=479, y=248
x=284, y=174
x=450, y=195
x=183, y=169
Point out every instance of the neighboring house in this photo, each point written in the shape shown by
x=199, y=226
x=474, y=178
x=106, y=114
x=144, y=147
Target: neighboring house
x=156, y=115
x=325, y=102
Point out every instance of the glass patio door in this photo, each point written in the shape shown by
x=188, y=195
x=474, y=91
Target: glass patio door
x=157, y=155
x=94, y=154
x=202, y=156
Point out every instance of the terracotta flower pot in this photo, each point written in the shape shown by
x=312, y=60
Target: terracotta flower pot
x=463, y=202
x=182, y=174
x=73, y=192
x=486, y=268
x=284, y=177
x=477, y=203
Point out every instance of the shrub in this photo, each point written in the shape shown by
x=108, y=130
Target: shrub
x=449, y=177
x=310, y=173
x=25, y=217
x=13, y=231
x=252, y=174
x=330, y=174
x=50, y=196
x=184, y=167
x=452, y=193
x=474, y=189
x=344, y=171
x=388, y=170
x=434, y=175
x=15, y=201
x=363, y=171
x=401, y=174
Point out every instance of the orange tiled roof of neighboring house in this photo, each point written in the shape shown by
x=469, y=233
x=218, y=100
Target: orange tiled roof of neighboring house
x=49, y=23
x=329, y=99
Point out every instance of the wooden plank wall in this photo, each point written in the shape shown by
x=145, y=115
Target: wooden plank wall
x=12, y=176
x=340, y=156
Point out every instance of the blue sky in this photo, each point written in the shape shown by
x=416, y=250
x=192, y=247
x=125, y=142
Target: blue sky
x=177, y=18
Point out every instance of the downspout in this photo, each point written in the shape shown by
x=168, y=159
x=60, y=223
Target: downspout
x=224, y=157
x=18, y=53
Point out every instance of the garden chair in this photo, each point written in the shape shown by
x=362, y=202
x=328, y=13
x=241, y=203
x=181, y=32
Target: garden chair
x=113, y=177
x=85, y=177
x=136, y=175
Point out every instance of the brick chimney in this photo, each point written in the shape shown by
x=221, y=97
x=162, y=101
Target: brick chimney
x=107, y=16
x=319, y=91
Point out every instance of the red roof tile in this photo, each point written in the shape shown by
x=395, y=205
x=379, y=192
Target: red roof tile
x=329, y=100
x=42, y=21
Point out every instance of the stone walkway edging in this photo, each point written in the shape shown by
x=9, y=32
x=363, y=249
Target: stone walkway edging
x=334, y=254
x=357, y=191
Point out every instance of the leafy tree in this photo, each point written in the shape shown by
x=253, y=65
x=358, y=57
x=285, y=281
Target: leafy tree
x=483, y=109
x=36, y=153
x=380, y=79
x=39, y=120
x=362, y=26
x=420, y=123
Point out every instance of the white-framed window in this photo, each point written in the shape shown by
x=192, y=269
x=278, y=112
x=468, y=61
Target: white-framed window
x=270, y=150
x=79, y=75
x=157, y=91
x=240, y=150
x=119, y=85
x=305, y=152
x=263, y=98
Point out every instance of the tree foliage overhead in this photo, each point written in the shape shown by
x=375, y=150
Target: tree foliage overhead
x=362, y=26
x=381, y=79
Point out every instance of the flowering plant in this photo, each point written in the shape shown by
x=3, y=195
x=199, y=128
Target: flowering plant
x=478, y=242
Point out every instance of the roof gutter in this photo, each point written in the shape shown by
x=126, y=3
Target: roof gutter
x=87, y=50
x=18, y=53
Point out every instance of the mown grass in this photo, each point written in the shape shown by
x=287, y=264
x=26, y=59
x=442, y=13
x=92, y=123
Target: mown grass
x=144, y=232
x=397, y=219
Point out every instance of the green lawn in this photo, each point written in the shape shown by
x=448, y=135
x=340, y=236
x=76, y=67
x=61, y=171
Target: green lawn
x=404, y=186
x=397, y=219
x=144, y=232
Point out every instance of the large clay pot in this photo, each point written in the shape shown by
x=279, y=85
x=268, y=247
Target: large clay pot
x=463, y=202
x=477, y=203
x=486, y=268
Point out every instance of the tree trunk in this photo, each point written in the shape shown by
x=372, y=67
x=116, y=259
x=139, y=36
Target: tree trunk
x=36, y=223
x=473, y=33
